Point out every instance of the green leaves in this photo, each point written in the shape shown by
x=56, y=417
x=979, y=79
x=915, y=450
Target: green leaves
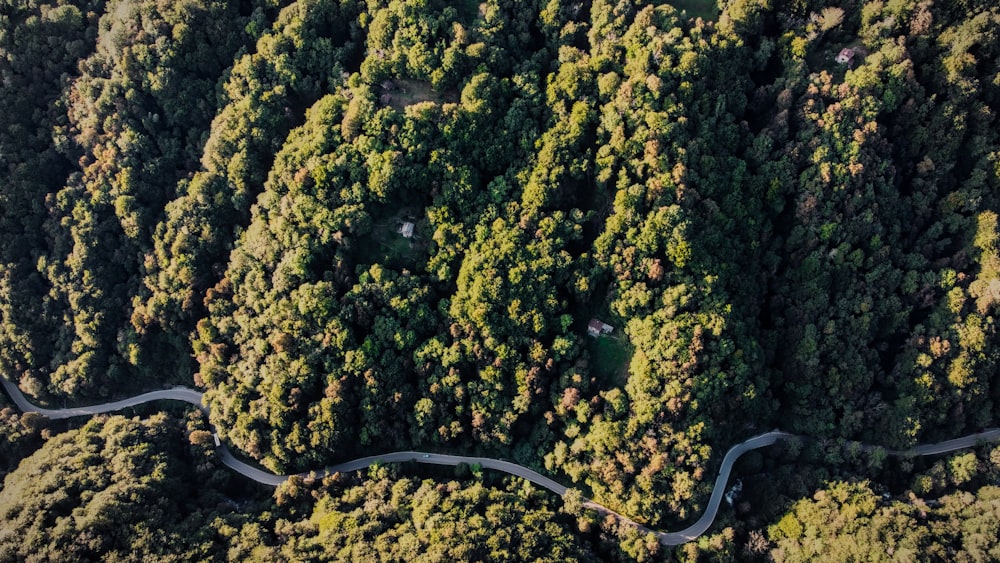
x=370, y=225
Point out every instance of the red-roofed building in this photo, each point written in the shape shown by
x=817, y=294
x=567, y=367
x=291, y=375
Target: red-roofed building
x=596, y=328
x=846, y=56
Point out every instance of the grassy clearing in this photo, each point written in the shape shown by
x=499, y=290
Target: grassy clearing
x=823, y=55
x=408, y=92
x=609, y=357
x=704, y=9
x=387, y=246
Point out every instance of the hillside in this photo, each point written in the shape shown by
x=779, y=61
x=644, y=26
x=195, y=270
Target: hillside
x=360, y=227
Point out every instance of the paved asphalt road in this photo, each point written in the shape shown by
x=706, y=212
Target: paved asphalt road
x=666, y=538
x=176, y=394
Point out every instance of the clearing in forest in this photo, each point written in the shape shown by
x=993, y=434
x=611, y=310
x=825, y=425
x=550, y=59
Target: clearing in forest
x=386, y=245
x=704, y=9
x=609, y=359
x=405, y=92
x=610, y=354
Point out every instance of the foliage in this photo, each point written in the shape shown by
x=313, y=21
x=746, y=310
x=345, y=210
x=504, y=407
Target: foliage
x=193, y=190
x=114, y=490
x=383, y=519
x=130, y=490
x=848, y=521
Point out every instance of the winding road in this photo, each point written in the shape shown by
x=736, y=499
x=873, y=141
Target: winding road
x=690, y=533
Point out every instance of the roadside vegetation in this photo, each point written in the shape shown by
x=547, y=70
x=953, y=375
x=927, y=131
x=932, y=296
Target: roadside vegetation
x=787, y=208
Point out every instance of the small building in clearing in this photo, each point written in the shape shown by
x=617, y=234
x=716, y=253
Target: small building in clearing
x=846, y=56
x=406, y=229
x=597, y=327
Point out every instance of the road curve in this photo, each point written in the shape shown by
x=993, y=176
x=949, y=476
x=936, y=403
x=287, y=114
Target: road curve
x=182, y=394
x=690, y=533
x=734, y=453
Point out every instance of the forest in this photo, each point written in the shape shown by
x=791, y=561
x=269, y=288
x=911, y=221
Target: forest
x=362, y=226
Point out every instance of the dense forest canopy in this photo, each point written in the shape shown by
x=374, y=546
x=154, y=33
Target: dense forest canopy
x=362, y=226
